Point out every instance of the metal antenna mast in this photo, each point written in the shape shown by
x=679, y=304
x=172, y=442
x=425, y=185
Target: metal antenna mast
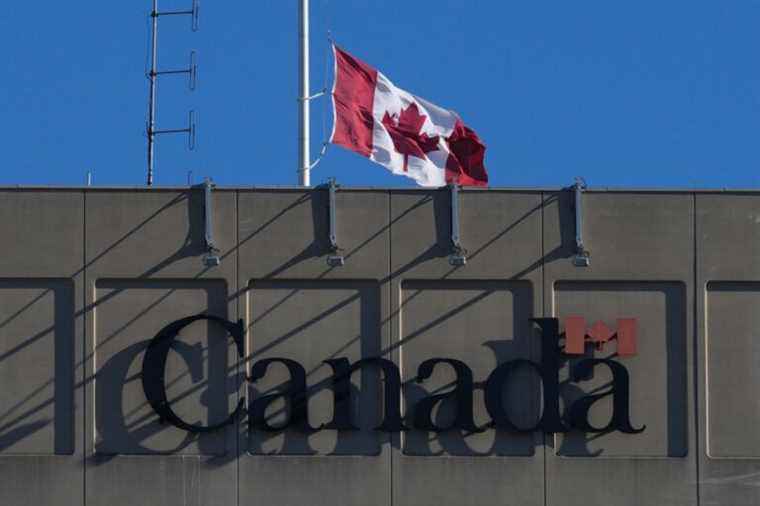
x=191, y=71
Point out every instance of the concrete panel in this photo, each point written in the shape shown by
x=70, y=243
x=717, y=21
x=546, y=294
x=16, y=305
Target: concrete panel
x=499, y=231
x=728, y=241
x=157, y=233
x=284, y=234
x=476, y=313
x=298, y=307
x=642, y=236
x=483, y=324
x=128, y=314
x=732, y=355
x=340, y=319
x=41, y=348
x=42, y=233
x=642, y=259
x=144, y=270
x=728, y=237
x=37, y=370
x=657, y=372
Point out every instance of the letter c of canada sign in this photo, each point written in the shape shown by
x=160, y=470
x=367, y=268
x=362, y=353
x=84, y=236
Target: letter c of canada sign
x=576, y=415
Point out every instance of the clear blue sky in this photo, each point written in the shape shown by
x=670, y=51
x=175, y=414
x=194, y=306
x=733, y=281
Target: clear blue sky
x=646, y=93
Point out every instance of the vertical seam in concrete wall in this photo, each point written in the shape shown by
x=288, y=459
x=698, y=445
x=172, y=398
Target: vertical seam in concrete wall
x=391, y=323
x=695, y=346
x=543, y=314
x=83, y=442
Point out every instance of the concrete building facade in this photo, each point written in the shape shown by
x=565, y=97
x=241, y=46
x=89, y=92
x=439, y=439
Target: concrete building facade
x=89, y=277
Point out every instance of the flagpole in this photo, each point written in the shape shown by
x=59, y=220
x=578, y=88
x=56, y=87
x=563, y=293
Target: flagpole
x=304, y=157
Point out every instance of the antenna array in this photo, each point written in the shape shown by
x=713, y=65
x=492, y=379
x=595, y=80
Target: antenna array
x=152, y=75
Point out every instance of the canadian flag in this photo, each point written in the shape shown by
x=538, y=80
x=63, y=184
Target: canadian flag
x=406, y=134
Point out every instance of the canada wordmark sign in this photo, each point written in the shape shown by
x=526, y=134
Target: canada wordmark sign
x=551, y=420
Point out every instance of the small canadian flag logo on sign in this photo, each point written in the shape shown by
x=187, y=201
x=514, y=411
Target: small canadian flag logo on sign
x=578, y=333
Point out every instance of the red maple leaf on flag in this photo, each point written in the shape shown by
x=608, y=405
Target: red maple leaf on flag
x=405, y=133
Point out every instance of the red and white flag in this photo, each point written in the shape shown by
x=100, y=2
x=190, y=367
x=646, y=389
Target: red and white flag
x=406, y=134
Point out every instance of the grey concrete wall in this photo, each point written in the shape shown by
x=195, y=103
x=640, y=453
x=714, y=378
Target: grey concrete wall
x=89, y=276
x=477, y=314
x=642, y=266
x=728, y=241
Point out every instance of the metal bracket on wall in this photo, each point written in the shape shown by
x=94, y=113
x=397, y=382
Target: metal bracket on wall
x=458, y=255
x=211, y=258
x=334, y=259
x=581, y=258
